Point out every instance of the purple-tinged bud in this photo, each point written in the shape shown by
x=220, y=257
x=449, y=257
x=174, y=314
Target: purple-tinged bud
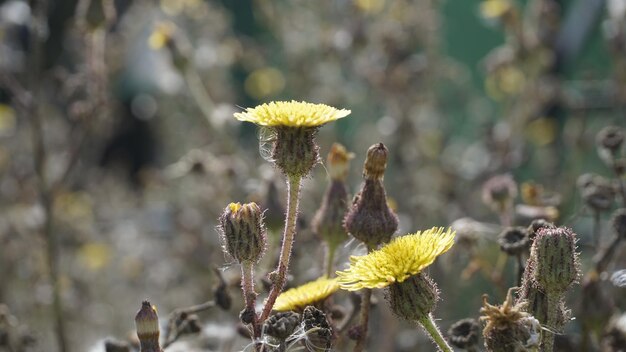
x=370, y=220
x=295, y=151
x=147, y=323
x=243, y=232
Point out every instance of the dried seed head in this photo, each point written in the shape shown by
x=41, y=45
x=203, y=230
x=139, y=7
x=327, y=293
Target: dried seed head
x=375, y=162
x=555, y=260
x=295, y=152
x=596, y=191
x=508, y=327
x=610, y=138
x=414, y=298
x=464, y=334
x=319, y=333
x=147, y=323
x=619, y=223
x=499, y=192
x=243, y=232
x=370, y=220
x=338, y=162
x=514, y=240
x=282, y=325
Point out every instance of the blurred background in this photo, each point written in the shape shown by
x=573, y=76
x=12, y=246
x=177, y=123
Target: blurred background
x=118, y=146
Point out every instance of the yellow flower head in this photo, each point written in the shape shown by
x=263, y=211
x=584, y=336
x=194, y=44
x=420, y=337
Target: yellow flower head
x=299, y=297
x=291, y=114
x=398, y=260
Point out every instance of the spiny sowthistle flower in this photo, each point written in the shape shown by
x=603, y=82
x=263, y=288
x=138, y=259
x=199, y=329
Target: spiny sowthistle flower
x=243, y=232
x=295, y=125
x=147, y=323
x=305, y=295
x=395, y=262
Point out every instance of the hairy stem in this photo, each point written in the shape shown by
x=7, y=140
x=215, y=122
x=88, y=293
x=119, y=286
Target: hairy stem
x=293, y=186
x=363, y=320
x=431, y=328
x=247, y=285
x=547, y=337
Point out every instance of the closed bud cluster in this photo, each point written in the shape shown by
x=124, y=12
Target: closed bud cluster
x=464, y=334
x=555, y=260
x=147, y=323
x=508, y=327
x=328, y=221
x=414, y=298
x=514, y=241
x=370, y=220
x=243, y=232
x=295, y=151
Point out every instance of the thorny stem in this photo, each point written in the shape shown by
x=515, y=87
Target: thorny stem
x=364, y=316
x=247, y=285
x=431, y=328
x=293, y=186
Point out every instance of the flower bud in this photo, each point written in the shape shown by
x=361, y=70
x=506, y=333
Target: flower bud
x=555, y=260
x=147, y=323
x=514, y=240
x=414, y=298
x=295, y=151
x=338, y=162
x=243, y=232
x=328, y=221
x=464, y=334
x=370, y=220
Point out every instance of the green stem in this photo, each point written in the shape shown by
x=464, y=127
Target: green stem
x=547, y=337
x=431, y=328
x=293, y=186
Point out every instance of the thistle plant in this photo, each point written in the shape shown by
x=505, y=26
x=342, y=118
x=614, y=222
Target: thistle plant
x=398, y=266
x=147, y=323
x=294, y=152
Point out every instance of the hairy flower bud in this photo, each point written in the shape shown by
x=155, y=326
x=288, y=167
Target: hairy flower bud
x=243, y=232
x=414, y=298
x=370, y=220
x=147, y=323
x=555, y=260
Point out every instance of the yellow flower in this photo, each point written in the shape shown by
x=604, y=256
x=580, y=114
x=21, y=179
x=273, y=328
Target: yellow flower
x=398, y=260
x=162, y=35
x=291, y=114
x=299, y=297
x=495, y=8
